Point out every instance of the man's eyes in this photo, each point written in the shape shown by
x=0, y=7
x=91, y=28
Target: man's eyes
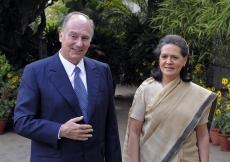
x=174, y=57
x=83, y=38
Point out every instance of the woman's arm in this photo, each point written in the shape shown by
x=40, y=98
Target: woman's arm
x=203, y=142
x=134, y=140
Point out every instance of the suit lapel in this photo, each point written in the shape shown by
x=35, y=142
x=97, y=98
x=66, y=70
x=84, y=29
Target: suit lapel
x=59, y=78
x=92, y=76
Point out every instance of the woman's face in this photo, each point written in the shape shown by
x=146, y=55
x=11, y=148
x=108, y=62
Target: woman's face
x=171, y=61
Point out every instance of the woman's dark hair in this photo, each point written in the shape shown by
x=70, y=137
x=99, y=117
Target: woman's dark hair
x=181, y=43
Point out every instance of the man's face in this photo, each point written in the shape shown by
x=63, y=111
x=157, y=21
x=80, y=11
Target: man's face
x=75, y=39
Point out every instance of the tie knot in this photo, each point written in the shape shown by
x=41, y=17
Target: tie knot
x=77, y=70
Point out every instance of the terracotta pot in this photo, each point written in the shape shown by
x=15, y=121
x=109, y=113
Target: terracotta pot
x=6, y=95
x=2, y=125
x=214, y=136
x=224, y=143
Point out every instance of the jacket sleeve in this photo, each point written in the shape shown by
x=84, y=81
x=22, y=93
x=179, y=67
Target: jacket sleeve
x=27, y=121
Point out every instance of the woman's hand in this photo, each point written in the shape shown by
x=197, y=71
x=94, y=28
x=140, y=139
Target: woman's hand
x=203, y=142
x=134, y=138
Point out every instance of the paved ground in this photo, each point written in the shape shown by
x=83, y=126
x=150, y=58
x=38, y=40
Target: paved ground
x=14, y=148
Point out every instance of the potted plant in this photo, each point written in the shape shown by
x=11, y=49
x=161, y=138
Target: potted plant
x=224, y=116
x=9, y=82
x=215, y=128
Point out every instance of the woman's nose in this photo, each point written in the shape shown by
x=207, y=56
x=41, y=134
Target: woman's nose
x=168, y=60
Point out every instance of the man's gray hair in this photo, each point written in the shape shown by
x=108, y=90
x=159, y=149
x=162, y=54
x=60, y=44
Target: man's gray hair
x=68, y=16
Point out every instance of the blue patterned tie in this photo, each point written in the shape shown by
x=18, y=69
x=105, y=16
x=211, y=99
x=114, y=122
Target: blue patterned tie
x=81, y=93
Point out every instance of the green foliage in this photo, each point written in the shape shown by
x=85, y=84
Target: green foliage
x=217, y=121
x=5, y=67
x=222, y=117
x=222, y=114
x=119, y=12
x=105, y=47
x=226, y=128
x=139, y=44
x=78, y=5
x=138, y=41
x=55, y=13
x=52, y=35
x=17, y=39
x=204, y=24
x=115, y=5
x=9, y=82
x=186, y=19
x=198, y=73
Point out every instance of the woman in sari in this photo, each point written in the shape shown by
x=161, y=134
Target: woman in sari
x=169, y=115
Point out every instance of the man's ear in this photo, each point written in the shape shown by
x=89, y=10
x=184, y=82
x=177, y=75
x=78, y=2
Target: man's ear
x=60, y=36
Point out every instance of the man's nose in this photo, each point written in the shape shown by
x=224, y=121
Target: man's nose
x=79, y=42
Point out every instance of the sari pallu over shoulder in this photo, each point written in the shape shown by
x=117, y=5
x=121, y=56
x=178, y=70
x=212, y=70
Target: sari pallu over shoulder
x=179, y=104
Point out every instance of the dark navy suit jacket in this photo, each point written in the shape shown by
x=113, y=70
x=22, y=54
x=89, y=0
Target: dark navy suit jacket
x=46, y=100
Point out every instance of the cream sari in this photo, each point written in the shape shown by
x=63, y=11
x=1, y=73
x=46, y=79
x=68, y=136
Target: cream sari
x=170, y=118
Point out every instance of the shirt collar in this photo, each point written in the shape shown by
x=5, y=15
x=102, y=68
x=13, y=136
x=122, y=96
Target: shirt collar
x=69, y=67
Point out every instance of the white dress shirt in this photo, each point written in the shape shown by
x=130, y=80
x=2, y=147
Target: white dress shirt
x=69, y=68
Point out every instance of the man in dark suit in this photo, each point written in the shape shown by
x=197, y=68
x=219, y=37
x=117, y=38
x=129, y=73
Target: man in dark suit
x=50, y=112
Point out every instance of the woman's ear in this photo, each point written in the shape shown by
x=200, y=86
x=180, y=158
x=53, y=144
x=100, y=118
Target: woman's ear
x=185, y=60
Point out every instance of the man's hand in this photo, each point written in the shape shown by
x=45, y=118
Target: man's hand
x=75, y=131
